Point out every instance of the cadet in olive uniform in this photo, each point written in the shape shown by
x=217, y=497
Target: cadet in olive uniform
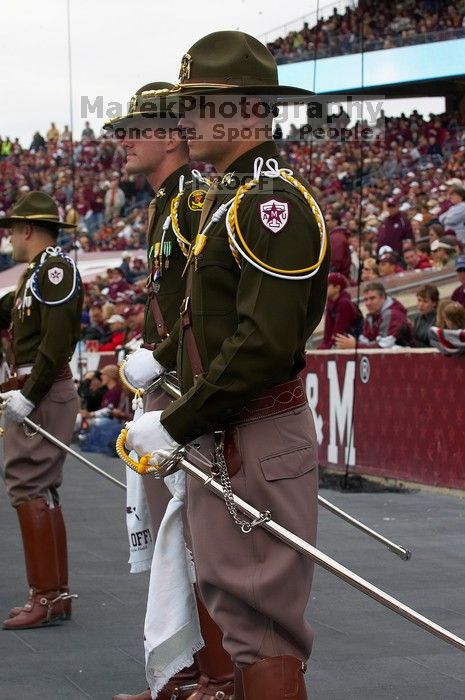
x=155, y=147
x=45, y=319
x=245, y=323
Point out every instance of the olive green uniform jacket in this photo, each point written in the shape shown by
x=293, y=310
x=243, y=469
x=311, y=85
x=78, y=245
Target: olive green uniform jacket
x=44, y=335
x=250, y=328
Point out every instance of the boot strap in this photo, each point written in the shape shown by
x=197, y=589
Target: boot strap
x=49, y=604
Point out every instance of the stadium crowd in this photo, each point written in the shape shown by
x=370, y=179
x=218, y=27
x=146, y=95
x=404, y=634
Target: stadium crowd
x=86, y=179
x=392, y=204
x=372, y=26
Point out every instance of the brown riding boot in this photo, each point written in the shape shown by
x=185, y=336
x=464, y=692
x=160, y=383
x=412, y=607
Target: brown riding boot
x=177, y=688
x=217, y=679
x=275, y=678
x=45, y=603
x=59, y=531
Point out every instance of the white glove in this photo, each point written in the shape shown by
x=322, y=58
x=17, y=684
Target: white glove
x=15, y=405
x=147, y=436
x=141, y=369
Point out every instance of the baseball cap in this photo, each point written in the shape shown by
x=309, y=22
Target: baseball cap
x=384, y=249
x=460, y=262
x=116, y=318
x=435, y=245
x=454, y=181
x=388, y=257
x=391, y=202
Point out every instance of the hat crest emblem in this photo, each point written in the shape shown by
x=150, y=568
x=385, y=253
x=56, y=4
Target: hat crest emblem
x=185, y=71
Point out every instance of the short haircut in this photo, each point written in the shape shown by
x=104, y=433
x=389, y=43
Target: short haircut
x=375, y=287
x=455, y=314
x=49, y=229
x=429, y=291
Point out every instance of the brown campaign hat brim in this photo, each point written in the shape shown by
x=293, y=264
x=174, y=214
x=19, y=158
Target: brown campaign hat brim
x=9, y=221
x=147, y=92
x=281, y=92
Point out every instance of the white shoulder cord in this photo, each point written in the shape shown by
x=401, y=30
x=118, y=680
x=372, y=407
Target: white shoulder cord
x=272, y=171
x=33, y=280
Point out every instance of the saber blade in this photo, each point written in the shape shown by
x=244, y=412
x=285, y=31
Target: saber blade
x=327, y=562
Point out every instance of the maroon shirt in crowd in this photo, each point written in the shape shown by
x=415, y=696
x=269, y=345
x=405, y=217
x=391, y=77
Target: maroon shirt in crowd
x=340, y=251
x=393, y=230
x=391, y=320
x=458, y=295
x=341, y=316
x=111, y=397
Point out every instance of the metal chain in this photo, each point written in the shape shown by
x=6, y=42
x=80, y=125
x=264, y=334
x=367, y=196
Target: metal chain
x=220, y=468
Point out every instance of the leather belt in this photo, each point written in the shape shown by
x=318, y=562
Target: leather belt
x=278, y=399
x=64, y=373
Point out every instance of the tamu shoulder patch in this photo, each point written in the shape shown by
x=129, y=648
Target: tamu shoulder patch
x=196, y=199
x=274, y=215
x=55, y=275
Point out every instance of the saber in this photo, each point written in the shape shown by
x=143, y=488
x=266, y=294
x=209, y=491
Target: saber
x=264, y=520
x=168, y=383
x=37, y=429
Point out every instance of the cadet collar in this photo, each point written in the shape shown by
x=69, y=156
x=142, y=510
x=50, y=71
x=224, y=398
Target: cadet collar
x=245, y=162
x=171, y=184
x=36, y=260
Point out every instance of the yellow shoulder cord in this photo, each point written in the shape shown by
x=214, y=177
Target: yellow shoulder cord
x=174, y=212
x=184, y=244
x=234, y=229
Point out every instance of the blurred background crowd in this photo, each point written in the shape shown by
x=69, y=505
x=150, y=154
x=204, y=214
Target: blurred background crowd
x=372, y=26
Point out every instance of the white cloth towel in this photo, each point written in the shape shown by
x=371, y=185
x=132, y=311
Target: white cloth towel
x=172, y=629
x=138, y=524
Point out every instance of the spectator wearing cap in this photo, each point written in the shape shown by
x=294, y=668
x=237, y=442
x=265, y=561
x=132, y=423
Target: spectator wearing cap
x=458, y=294
x=385, y=324
x=340, y=249
x=454, y=217
x=118, y=330
x=414, y=261
x=114, y=199
x=427, y=304
x=388, y=265
x=442, y=253
x=395, y=228
x=342, y=316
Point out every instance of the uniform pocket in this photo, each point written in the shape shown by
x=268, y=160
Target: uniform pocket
x=289, y=464
x=62, y=394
